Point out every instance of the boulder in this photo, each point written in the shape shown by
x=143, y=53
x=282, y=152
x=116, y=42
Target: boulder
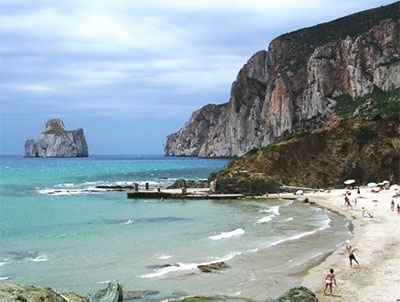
x=22, y=293
x=298, y=294
x=113, y=293
x=209, y=268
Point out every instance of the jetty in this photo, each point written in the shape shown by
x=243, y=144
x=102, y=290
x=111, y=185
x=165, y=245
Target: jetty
x=192, y=193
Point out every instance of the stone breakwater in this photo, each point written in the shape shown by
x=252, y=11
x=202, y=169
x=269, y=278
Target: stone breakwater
x=55, y=141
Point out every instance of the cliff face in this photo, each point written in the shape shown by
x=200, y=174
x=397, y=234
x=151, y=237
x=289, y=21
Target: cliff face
x=295, y=84
x=55, y=141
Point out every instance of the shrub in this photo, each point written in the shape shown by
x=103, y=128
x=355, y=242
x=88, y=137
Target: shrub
x=365, y=132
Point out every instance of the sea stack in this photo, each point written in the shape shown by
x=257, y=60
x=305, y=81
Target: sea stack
x=55, y=141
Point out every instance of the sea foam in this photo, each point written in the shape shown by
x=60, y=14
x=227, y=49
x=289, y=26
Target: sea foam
x=225, y=235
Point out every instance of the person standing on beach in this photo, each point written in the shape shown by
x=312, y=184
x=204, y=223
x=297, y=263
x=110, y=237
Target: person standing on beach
x=347, y=202
x=329, y=279
x=352, y=257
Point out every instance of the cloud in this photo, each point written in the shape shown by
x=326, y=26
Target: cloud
x=158, y=59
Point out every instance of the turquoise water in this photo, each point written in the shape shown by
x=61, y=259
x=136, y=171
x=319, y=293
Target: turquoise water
x=57, y=230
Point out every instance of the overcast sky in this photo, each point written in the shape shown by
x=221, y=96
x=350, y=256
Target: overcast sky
x=131, y=72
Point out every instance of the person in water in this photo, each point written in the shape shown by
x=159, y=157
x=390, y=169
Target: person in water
x=352, y=257
x=329, y=279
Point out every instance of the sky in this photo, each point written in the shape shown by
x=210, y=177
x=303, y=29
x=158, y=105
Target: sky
x=131, y=72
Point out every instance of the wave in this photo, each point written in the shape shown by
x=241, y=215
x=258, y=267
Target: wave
x=228, y=257
x=185, y=266
x=265, y=219
x=163, y=257
x=169, y=269
x=40, y=258
x=6, y=278
x=63, y=192
x=129, y=221
x=274, y=210
x=225, y=235
x=301, y=235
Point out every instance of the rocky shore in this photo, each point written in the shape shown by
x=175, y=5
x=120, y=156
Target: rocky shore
x=114, y=293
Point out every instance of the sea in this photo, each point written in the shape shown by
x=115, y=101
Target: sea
x=57, y=229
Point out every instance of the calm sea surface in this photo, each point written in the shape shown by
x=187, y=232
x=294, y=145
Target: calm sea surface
x=56, y=230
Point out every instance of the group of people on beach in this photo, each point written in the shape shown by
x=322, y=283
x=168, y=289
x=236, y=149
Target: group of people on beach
x=392, y=207
x=330, y=277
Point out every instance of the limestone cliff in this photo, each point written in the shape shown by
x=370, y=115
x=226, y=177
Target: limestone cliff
x=295, y=84
x=55, y=141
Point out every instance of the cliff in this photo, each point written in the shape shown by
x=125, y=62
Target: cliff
x=55, y=141
x=296, y=84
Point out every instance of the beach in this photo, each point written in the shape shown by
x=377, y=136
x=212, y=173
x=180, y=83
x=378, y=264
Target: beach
x=377, y=239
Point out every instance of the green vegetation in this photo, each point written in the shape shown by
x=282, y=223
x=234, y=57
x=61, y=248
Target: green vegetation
x=55, y=126
x=304, y=41
x=302, y=133
x=270, y=147
x=365, y=132
x=376, y=105
x=253, y=151
x=21, y=298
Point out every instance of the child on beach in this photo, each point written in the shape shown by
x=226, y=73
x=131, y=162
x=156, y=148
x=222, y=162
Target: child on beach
x=329, y=279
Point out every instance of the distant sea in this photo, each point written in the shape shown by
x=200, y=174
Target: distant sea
x=57, y=230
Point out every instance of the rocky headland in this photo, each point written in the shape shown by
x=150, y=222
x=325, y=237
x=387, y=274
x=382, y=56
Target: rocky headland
x=55, y=141
x=295, y=85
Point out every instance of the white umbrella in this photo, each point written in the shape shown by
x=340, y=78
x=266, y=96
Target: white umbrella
x=386, y=182
x=349, y=181
x=372, y=184
x=394, y=187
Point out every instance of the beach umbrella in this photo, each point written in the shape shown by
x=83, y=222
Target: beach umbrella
x=385, y=182
x=394, y=187
x=349, y=181
x=372, y=184
x=299, y=192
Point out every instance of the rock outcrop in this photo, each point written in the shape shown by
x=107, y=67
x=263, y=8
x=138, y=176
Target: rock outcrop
x=113, y=293
x=55, y=141
x=364, y=150
x=298, y=294
x=295, y=84
x=17, y=292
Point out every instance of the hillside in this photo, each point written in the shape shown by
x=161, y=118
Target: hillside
x=360, y=149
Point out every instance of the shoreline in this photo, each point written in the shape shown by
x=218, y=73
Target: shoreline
x=378, y=243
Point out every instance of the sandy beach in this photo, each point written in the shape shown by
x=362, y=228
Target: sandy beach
x=377, y=240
